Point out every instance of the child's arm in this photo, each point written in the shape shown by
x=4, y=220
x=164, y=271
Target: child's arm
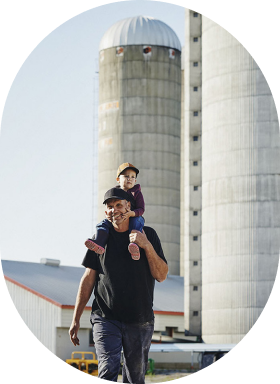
x=128, y=214
x=139, y=206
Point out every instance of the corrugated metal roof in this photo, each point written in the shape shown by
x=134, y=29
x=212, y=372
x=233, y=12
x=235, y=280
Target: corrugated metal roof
x=140, y=30
x=60, y=284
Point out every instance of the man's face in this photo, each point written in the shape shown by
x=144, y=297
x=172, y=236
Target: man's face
x=115, y=208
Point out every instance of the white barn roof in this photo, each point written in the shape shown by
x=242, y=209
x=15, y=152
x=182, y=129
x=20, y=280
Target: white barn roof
x=140, y=30
x=59, y=284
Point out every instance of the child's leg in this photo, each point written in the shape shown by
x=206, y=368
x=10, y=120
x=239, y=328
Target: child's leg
x=100, y=238
x=138, y=224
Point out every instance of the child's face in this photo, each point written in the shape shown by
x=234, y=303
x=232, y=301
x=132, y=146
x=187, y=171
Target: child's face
x=127, y=179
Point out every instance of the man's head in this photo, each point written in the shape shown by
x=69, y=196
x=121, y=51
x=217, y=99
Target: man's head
x=117, y=202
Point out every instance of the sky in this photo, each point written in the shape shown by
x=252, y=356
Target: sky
x=48, y=144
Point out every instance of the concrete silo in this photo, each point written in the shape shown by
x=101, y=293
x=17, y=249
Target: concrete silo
x=139, y=120
x=240, y=188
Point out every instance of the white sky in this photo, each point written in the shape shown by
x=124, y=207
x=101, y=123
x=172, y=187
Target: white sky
x=46, y=147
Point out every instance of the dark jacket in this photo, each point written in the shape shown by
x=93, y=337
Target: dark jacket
x=137, y=199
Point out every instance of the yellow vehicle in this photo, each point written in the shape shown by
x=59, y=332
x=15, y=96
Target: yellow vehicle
x=87, y=365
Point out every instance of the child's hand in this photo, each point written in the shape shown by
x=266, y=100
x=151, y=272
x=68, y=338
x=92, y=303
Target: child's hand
x=109, y=216
x=127, y=215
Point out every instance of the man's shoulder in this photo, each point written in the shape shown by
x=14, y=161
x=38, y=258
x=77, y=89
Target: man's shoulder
x=153, y=238
x=148, y=228
x=150, y=232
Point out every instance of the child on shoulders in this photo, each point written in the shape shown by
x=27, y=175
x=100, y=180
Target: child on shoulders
x=126, y=177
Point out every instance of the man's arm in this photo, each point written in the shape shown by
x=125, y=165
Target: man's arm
x=83, y=295
x=158, y=267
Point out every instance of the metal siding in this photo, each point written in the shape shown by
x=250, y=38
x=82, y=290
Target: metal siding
x=163, y=321
x=67, y=315
x=39, y=315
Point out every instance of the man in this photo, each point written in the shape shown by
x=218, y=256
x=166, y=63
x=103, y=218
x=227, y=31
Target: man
x=122, y=311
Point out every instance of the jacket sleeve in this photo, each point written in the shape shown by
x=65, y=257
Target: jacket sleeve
x=139, y=204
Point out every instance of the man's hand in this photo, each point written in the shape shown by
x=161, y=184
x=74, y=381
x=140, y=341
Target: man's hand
x=139, y=238
x=85, y=289
x=73, y=333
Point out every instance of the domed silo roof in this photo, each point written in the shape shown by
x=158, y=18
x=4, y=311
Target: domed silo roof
x=140, y=30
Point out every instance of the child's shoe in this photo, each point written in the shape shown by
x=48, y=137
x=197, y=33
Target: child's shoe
x=134, y=250
x=91, y=244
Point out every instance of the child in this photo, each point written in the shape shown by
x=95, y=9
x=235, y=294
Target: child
x=126, y=177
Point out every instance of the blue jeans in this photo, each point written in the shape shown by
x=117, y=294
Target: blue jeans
x=136, y=223
x=110, y=337
x=102, y=232
x=102, y=229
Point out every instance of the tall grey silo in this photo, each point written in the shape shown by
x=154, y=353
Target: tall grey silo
x=139, y=120
x=240, y=188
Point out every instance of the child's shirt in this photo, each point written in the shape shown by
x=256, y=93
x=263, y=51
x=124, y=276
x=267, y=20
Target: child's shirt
x=138, y=198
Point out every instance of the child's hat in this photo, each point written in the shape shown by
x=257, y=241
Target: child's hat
x=124, y=166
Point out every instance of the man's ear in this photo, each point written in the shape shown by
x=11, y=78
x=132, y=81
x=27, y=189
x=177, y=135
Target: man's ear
x=118, y=180
x=129, y=205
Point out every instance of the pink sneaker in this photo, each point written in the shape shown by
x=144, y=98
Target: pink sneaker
x=91, y=244
x=134, y=250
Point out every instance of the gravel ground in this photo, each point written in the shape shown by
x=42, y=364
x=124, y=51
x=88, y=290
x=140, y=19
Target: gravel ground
x=163, y=375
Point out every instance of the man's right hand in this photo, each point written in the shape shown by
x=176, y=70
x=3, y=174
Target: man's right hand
x=73, y=333
x=83, y=295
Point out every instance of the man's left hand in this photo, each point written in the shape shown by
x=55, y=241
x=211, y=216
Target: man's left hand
x=139, y=238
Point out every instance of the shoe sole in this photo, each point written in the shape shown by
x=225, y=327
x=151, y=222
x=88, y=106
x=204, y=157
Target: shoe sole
x=91, y=245
x=134, y=251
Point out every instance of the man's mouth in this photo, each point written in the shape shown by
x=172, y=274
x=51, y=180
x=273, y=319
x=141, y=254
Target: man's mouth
x=116, y=217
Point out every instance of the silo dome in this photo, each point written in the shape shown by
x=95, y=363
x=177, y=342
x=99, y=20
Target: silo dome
x=140, y=30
